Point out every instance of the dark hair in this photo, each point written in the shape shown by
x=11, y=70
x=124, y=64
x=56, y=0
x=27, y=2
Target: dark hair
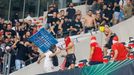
x=52, y=48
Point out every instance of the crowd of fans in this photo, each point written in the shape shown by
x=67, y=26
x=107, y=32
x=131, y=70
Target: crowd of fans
x=71, y=21
x=14, y=34
x=14, y=40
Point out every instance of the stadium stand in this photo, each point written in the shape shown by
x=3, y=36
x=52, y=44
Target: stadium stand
x=72, y=21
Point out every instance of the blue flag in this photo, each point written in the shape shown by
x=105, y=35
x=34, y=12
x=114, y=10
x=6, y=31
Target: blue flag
x=43, y=39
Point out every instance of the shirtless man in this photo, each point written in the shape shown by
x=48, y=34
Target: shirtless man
x=89, y=22
x=70, y=49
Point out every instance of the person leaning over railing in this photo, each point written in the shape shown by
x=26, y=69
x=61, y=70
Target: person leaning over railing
x=21, y=48
x=51, y=59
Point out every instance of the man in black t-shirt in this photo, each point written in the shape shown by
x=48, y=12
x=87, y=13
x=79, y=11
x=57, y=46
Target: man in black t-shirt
x=107, y=14
x=53, y=21
x=65, y=26
x=55, y=8
x=1, y=23
x=21, y=53
x=71, y=11
x=58, y=29
x=49, y=14
x=76, y=26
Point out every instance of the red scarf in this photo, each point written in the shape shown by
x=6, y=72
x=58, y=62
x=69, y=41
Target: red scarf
x=67, y=41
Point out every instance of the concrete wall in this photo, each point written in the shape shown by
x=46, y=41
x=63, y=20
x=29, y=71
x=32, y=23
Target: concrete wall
x=123, y=30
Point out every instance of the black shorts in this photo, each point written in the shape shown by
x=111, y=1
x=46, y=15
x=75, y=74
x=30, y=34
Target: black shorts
x=87, y=29
x=110, y=41
x=70, y=59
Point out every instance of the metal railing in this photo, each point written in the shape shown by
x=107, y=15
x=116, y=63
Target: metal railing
x=6, y=64
x=26, y=63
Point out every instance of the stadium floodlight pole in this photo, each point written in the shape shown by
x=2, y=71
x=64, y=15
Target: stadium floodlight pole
x=38, y=8
x=9, y=10
x=23, y=13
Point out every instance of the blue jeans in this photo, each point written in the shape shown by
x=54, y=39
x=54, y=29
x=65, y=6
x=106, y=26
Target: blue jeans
x=19, y=64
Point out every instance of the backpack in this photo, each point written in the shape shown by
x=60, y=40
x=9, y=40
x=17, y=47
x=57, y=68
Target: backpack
x=55, y=60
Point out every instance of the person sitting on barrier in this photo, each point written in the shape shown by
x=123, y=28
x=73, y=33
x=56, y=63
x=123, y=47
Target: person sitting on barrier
x=70, y=49
x=96, y=54
x=120, y=51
